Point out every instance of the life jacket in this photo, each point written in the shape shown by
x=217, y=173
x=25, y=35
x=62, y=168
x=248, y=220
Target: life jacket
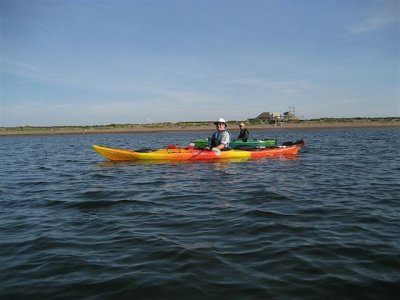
x=216, y=138
x=243, y=135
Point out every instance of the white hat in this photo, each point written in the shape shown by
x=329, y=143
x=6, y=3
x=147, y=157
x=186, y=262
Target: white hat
x=241, y=124
x=220, y=120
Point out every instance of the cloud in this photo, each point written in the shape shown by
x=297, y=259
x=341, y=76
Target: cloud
x=381, y=13
x=190, y=97
x=287, y=87
x=30, y=71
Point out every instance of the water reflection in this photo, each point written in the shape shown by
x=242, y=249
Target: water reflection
x=218, y=162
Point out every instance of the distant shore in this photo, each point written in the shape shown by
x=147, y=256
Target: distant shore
x=199, y=126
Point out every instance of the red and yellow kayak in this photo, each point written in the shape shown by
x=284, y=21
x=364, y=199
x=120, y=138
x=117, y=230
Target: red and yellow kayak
x=173, y=153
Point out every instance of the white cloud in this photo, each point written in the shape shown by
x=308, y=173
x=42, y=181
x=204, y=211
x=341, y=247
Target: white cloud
x=190, y=97
x=381, y=13
x=287, y=87
x=30, y=71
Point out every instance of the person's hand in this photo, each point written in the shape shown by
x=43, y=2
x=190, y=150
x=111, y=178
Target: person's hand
x=216, y=150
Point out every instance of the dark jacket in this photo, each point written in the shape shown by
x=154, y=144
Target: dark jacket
x=243, y=135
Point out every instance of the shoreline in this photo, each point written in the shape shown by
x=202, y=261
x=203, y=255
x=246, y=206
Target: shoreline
x=37, y=131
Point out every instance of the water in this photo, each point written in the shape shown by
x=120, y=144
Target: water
x=323, y=225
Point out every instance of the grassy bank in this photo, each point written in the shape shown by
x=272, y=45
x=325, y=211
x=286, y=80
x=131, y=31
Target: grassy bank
x=200, y=125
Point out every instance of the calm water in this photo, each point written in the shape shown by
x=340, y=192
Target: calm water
x=323, y=225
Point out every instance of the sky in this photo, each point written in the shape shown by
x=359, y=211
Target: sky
x=98, y=62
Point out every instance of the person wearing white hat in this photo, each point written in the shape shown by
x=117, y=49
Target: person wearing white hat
x=244, y=133
x=221, y=138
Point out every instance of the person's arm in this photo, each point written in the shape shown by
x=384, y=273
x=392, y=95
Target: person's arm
x=239, y=137
x=225, y=140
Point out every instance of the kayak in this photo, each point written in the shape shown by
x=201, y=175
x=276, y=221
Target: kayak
x=239, y=143
x=174, y=154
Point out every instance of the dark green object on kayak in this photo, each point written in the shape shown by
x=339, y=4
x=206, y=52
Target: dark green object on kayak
x=269, y=142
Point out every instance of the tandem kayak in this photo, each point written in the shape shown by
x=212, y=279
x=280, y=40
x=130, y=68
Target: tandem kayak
x=176, y=154
x=239, y=143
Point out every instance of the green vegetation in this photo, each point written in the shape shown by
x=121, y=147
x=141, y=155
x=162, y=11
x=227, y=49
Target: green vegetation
x=201, y=125
x=328, y=121
x=346, y=120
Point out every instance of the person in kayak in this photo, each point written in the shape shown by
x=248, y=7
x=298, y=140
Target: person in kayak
x=221, y=138
x=243, y=134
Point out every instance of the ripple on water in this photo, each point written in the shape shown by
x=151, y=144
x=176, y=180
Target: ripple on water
x=323, y=225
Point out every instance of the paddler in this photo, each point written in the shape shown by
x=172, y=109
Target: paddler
x=221, y=138
x=244, y=133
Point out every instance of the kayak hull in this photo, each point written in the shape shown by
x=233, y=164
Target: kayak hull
x=201, y=143
x=193, y=154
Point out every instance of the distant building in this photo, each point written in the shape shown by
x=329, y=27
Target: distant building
x=267, y=116
x=289, y=116
x=275, y=117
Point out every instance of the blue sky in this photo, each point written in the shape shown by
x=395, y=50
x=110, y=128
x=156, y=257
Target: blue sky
x=87, y=62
